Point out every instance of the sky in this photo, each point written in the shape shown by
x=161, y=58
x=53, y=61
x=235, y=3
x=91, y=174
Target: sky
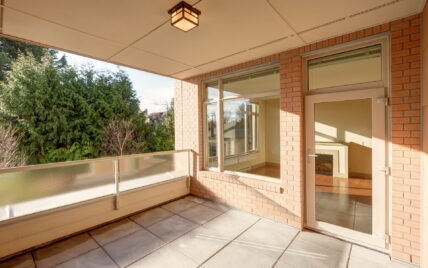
x=154, y=91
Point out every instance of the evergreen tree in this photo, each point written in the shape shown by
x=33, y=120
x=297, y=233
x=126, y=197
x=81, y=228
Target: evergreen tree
x=61, y=113
x=163, y=139
x=11, y=49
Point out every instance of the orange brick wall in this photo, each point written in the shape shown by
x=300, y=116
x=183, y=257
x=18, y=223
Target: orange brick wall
x=285, y=201
x=424, y=52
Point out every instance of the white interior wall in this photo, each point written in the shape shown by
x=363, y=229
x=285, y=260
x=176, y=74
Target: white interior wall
x=347, y=122
x=272, y=130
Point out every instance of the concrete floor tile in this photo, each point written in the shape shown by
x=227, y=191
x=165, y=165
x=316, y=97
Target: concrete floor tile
x=196, y=199
x=230, y=224
x=93, y=259
x=363, y=257
x=151, y=216
x=64, y=250
x=269, y=233
x=115, y=230
x=165, y=257
x=199, y=244
x=315, y=250
x=171, y=228
x=200, y=214
x=245, y=254
x=216, y=205
x=179, y=205
x=21, y=261
x=133, y=247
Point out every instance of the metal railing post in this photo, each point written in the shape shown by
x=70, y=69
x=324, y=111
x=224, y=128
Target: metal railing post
x=116, y=183
x=188, y=169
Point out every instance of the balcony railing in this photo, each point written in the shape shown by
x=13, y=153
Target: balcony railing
x=33, y=189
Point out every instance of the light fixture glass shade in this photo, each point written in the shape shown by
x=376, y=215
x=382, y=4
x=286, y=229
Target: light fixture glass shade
x=184, y=16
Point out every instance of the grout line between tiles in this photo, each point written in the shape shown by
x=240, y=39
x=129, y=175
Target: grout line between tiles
x=103, y=249
x=147, y=229
x=167, y=243
x=114, y=240
x=228, y=243
x=34, y=259
x=289, y=244
x=62, y=262
x=349, y=256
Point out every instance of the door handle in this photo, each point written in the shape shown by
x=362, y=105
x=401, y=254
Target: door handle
x=312, y=155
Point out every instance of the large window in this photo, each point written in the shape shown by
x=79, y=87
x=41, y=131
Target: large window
x=242, y=123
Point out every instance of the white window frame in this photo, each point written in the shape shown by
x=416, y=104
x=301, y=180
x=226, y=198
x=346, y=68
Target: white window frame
x=385, y=83
x=382, y=40
x=220, y=122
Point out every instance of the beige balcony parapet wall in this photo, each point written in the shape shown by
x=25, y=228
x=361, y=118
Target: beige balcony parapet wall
x=47, y=218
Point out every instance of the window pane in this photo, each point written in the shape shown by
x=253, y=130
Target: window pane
x=211, y=145
x=211, y=91
x=351, y=67
x=258, y=82
x=236, y=126
x=343, y=166
x=251, y=136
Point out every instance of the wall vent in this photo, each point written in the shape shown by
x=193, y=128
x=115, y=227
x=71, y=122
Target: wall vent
x=375, y=8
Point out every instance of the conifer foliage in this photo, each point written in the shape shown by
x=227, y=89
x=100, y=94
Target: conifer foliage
x=63, y=113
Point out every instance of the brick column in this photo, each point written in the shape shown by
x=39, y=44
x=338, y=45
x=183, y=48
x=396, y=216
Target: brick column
x=188, y=125
x=292, y=136
x=406, y=145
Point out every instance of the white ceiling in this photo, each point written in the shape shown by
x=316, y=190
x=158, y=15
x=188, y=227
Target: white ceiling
x=137, y=33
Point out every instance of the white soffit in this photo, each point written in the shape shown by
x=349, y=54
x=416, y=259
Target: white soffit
x=226, y=27
x=143, y=60
x=38, y=30
x=120, y=21
x=137, y=33
x=254, y=53
x=375, y=15
x=188, y=73
x=304, y=14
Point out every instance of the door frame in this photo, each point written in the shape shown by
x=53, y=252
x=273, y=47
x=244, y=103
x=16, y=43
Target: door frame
x=380, y=185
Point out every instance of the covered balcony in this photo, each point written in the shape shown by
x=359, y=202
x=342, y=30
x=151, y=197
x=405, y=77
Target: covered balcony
x=299, y=138
x=195, y=232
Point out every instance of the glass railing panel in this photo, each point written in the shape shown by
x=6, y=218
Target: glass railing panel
x=29, y=191
x=141, y=171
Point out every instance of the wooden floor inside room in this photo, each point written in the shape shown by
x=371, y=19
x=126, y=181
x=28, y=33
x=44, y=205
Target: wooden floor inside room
x=268, y=170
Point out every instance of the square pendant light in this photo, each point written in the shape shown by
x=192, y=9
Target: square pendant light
x=184, y=16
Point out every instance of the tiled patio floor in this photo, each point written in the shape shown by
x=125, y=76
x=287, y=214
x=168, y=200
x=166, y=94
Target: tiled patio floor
x=193, y=232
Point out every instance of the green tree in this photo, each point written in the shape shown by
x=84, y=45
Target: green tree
x=61, y=113
x=163, y=139
x=11, y=49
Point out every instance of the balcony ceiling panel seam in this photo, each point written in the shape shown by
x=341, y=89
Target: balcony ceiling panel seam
x=185, y=70
x=59, y=24
x=144, y=36
x=160, y=56
x=285, y=21
x=246, y=50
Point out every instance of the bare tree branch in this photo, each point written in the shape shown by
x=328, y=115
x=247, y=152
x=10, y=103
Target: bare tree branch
x=119, y=135
x=10, y=155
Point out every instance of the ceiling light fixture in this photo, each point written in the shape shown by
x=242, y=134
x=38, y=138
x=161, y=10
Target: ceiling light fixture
x=184, y=16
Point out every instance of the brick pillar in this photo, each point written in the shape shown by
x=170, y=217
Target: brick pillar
x=291, y=139
x=406, y=143
x=188, y=125
x=424, y=52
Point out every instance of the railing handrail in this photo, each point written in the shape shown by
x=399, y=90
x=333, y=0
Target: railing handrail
x=86, y=161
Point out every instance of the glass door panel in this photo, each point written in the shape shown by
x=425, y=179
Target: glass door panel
x=346, y=183
x=343, y=163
